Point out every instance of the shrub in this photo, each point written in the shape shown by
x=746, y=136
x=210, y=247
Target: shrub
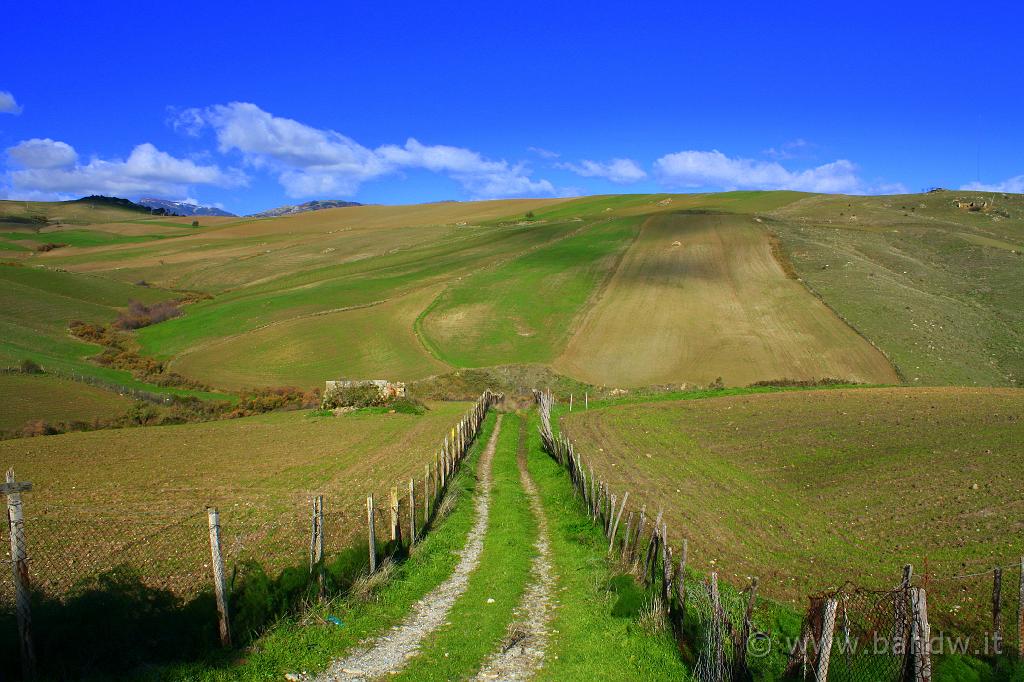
x=360, y=395
x=38, y=427
x=49, y=246
x=141, y=315
x=28, y=366
x=142, y=413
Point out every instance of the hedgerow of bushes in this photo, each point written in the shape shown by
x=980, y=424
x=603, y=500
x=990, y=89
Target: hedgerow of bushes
x=119, y=353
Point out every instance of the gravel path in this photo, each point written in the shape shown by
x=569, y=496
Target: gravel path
x=390, y=652
x=522, y=652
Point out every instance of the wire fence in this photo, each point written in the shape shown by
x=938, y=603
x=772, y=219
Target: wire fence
x=94, y=582
x=851, y=633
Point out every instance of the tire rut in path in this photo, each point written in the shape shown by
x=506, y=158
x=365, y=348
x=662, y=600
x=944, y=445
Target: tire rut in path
x=522, y=652
x=390, y=652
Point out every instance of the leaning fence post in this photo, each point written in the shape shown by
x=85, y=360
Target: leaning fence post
x=19, y=567
x=828, y=626
x=220, y=587
x=372, y=533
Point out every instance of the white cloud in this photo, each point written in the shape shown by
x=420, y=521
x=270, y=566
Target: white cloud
x=315, y=162
x=713, y=169
x=7, y=103
x=1014, y=185
x=543, y=153
x=792, y=149
x=147, y=170
x=42, y=153
x=621, y=171
x=482, y=177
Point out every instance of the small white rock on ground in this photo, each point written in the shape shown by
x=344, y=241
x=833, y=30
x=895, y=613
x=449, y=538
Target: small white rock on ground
x=390, y=653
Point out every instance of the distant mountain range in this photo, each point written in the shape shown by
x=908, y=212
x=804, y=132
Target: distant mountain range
x=184, y=208
x=303, y=208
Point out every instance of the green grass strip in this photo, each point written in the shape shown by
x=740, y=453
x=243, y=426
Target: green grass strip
x=291, y=647
x=475, y=627
x=588, y=640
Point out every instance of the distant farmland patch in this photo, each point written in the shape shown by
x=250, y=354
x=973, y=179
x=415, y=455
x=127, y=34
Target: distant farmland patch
x=700, y=296
x=809, y=489
x=138, y=496
x=28, y=397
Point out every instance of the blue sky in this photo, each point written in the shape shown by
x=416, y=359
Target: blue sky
x=251, y=106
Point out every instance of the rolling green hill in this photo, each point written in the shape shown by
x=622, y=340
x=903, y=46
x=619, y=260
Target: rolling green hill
x=621, y=291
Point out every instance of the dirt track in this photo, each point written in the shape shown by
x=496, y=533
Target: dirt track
x=701, y=296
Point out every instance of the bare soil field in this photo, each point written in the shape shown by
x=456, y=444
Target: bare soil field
x=701, y=296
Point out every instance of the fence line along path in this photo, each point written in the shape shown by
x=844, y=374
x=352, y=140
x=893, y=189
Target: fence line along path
x=390, y=652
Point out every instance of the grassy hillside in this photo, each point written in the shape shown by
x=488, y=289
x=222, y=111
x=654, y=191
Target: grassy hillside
x=37, y=304
x=524, y=308
x=625, y=290
x=936, y=287
x=808, y=489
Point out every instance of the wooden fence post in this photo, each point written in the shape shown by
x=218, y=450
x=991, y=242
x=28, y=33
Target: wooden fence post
x=372, y=533
x=744, y=639
x=316, y=540
x=828, y=626
x=626, y=534
x=666, y=565
x=426, y=494
x=608, y=522
x=652, y=547
x=220, y=587
x=19, y=568
x=997, y=609
x=396, y=526
x=901, y=617
x=593, y=494
x=920, y=639
x=681, y=582
x=1020, y=611
x=412, y=513
x=635, y=544
x=717, y=627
